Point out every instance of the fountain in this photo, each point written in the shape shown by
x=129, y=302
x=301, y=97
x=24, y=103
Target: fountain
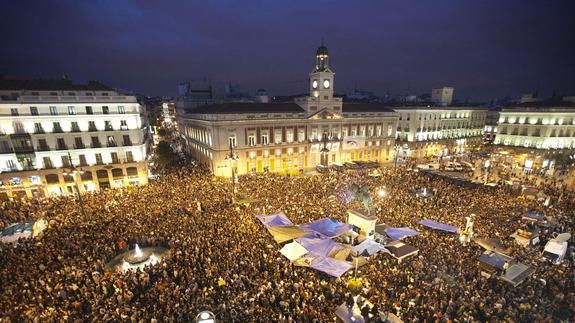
x=138, y=258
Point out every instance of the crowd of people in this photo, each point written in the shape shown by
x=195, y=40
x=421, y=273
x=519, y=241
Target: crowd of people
x=223, y=260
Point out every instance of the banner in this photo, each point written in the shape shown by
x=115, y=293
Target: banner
x=353, y=142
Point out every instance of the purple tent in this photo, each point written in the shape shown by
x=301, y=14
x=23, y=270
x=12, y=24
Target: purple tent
x=330, y=266
x=439, y=226
x=274, y=220
x=318, y=247
x=326, y=227
x=400, y=233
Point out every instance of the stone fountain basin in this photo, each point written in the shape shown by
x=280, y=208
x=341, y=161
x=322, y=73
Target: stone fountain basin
x=128, y=261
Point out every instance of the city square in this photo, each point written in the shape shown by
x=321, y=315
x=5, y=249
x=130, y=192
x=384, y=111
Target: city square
x=146, y=174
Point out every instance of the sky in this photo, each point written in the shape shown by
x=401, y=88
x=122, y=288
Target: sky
x=484, y=49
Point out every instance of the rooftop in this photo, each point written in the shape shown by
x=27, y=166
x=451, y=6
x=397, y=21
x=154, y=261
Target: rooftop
x=365, y=107
x=248, y=107
x=50, y=85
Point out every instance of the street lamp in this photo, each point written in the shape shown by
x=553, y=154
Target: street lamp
x=73, y=172
x=381, y=192
x=324, y=151
x=232, y=157
x=397, y=146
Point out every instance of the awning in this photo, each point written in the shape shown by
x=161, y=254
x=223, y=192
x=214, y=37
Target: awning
x=319, y=247
x=367, y=246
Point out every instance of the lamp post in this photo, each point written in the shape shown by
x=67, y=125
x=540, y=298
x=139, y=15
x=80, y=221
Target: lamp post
x=73, y=172
x=232, y=157
x=324, y=151
x=397, y=146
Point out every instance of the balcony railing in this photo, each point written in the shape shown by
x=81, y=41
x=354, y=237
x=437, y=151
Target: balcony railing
x=127, y=143
x=57, y=130
x=75, y=129
x=43, y=148
x=79, y=146
x=24, y=149
x=62, y=147
x=96, y=145
x=92, y=128
x=112, y=144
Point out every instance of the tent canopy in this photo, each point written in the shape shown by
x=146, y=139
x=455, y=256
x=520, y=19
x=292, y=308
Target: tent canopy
x=330, y=266
x=319, y=247
x=533, y=214
x=17, y=230
x=286, y=233
x=327, y=227
x=438, y=226
x=369, y=246
x=293, y=251
x=400, y=233
x=492, y=244
x=274, y=220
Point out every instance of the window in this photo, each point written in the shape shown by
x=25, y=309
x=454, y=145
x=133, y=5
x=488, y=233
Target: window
x=123, y=125
x=232, y=140
x=95, y=142
x=289, y=135
x=82, y=159
x=105, y=110
x=115, y=158
x=301, y=135
x=61, y=144
x=53, y=111
x=72, y=93
x=277, y=136
x=34, y=111
x=89, y=110
x=278, y=152
x=71, y=110
x=38, y=128
x=108, y=125
x=111, y=141
x=99, y=160
x=251, y=139
x=47, y=162
x=75, y=127
x=78, y=144
x=127, y=140
x=290, y=151
x=121, y=109
x=14, y=111
x=65, y=161
x=266, y=153
x=129, y=157
x=252, y=154
x=56, y=127
x=92, y=126
x=42, y=145
x=265, y=138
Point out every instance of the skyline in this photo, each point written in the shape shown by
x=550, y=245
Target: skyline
x=483, y=50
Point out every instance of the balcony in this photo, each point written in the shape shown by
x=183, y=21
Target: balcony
x=127, y=143
x=96, y=145
x=92, y=128
x=48, y=165
x=75, y=129
x=39, y=131
x=112, y=144
x=24, y=149
x=109, y=128
x=57, y=130
x=62, y=147
x=6, y=150
x=79, y=146
x=43, y=148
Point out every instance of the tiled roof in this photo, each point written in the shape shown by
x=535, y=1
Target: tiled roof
x=365, y=107
x=50, y=85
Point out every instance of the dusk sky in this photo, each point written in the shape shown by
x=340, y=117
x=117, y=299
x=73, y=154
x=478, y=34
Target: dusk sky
x=484, y=49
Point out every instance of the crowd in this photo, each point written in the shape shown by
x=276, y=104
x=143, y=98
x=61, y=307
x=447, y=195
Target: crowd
x=223, y=260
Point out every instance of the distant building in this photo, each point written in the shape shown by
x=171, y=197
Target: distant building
x=437, y=131
x=442, y=96
x=262, y=96
x=48, y=125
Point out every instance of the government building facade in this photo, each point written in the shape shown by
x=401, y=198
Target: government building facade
x=58, y=138
x=291, y=137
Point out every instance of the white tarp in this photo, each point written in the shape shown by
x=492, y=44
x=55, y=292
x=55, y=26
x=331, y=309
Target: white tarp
x=293, y=251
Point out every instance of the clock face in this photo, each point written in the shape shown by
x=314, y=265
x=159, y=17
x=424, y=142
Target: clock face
x=314, y=84
x=326, y=84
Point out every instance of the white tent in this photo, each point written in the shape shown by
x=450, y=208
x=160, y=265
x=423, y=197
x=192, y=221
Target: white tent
x=293, y=251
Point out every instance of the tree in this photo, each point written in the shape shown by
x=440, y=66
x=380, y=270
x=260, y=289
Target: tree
x=165, y=155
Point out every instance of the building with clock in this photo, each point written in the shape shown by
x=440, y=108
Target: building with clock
x=290, y=137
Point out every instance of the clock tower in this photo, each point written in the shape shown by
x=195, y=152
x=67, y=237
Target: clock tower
x=321, y=78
